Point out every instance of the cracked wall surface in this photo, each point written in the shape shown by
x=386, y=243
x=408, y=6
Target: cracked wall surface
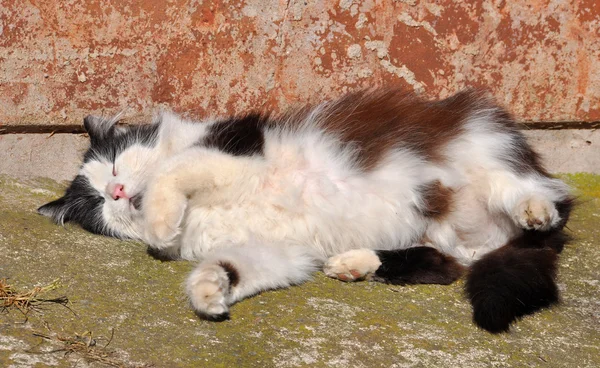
x=61, y=60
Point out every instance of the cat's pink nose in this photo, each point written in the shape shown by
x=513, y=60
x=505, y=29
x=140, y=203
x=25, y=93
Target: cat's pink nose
x=119, y=192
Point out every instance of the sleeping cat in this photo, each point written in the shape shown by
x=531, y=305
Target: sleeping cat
x=377, y=184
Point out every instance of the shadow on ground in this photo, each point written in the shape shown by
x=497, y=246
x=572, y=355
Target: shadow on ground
x=117, y=290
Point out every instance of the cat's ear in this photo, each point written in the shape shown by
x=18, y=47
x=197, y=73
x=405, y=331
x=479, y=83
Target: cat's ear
x=98, y=128
x=57, y=210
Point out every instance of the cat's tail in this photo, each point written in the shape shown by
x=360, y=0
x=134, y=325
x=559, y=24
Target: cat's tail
x=517, y=279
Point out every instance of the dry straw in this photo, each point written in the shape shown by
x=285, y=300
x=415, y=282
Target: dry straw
x=27, y=301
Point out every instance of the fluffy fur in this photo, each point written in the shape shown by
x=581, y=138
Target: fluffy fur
x=387, y=185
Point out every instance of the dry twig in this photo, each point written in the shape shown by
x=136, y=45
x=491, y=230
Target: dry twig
x=85, y=346
x=26, y=301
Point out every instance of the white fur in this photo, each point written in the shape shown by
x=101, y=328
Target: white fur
x=276, y=217
x=352, y=265
x=259, y=267
x=134, y=168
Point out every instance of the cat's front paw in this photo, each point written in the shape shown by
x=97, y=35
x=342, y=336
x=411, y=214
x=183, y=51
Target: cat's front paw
x=536, y=213
x=353, y=265
x=208, y=288
x=163, y=213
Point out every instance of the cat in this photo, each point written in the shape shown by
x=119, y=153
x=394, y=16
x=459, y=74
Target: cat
x=378, y=184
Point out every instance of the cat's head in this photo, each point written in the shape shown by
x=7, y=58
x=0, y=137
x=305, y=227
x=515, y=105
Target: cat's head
x=105, y=196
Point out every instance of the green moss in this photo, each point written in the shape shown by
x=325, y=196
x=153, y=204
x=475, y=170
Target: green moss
x=116, y=285
x=586, y=184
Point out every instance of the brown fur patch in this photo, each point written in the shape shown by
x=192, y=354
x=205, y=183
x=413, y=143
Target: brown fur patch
x=376, y=121
x=380, y=120
x=232, y=273
x=437, y=200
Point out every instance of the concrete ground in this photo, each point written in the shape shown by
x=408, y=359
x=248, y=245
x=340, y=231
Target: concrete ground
x=122, y=297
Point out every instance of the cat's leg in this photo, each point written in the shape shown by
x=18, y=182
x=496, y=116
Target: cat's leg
x=515, y=280
x=499, y=165
x=532, y=201
x=416, y=265
x=195, y=171
x=231, y=274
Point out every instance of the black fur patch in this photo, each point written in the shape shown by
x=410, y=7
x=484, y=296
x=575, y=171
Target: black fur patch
x=521, y=157
x=160, y=255
x=564, y=209
x=243, y=136
x=512, y=282
x=519, y=278
x=110, y=145
x=232, y=273
x=82, y=203
x=553, y=239
x=418, y=265
x=213, y=318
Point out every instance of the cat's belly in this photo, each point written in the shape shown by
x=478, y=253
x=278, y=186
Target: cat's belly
x=330, y=225
x=470, y=230
x=302, y=198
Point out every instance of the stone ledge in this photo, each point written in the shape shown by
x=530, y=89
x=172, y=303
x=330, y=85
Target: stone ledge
x=58, y=156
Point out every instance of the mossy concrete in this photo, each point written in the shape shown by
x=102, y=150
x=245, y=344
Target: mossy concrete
x=115, y=285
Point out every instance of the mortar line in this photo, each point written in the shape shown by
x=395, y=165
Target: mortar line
x=78, y=129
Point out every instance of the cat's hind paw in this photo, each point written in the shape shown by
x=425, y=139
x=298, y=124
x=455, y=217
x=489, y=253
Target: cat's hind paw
x=536, y=213
x=353, y=265
x=208, y=288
